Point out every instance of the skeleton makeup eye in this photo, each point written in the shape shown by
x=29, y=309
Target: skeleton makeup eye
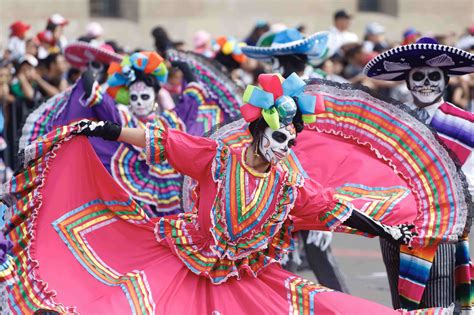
x=434, y=76
x=418, y=76
x=145, y=97
x=291, y=143
x=279, y=136
x=134, y=97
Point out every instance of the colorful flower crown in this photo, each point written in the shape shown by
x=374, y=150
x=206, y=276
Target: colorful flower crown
x=229, y=46
x=278, y=99
x=122, y=75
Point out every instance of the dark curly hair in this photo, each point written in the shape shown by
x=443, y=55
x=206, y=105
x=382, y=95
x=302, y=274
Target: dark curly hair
x=257, y=127
x=227, y=61
x=148, y=79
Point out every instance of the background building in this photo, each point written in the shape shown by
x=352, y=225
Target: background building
x=130, y=21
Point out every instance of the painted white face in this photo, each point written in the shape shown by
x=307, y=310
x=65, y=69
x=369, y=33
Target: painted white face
x=426, y=84
x=275, y=144
x=142, y=99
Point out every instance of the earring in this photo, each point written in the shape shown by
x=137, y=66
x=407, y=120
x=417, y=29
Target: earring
x=255, y=150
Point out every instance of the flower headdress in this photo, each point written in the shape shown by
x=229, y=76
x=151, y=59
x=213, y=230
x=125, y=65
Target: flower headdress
x=122, y=75
x=229, y=46
x=278, y=99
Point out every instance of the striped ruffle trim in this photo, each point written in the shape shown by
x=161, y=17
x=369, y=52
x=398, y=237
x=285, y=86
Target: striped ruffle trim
x=95, y=97
x=155, y=144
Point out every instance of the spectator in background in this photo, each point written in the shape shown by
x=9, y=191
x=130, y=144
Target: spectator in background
x=55, y=25
x=202, y=43
x=260, y=28
x=340, y=30
x=466, y=41
x=162, y=40
x=17, y=41
x=410, y=36
x=46, y=44
x=52, y=81
x=356, y=58
x=24, y=84
x=6, y=98
x=32, y=46
x=301, y=28
x=94, y=32
x=374, y=38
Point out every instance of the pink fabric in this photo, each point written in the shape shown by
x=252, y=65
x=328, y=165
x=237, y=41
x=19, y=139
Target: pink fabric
x=335, y=162
x=124, y=247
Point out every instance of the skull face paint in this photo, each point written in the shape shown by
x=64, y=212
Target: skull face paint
x=142, y=99
x=426, y=84
x=275, y=145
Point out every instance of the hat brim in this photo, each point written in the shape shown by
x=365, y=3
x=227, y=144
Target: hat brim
x=81, y=53
x=394, y=64
x=314, y=46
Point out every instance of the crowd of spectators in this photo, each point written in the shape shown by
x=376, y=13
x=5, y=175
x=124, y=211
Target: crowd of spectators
x=33, y=67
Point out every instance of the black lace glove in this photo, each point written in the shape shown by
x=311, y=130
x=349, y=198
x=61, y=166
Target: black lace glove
x=401, y=234
x=104, y=129
x=186, y=70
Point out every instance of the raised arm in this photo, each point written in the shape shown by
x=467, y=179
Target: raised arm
x=133, y=136
x=187, y=154
x=317, y=208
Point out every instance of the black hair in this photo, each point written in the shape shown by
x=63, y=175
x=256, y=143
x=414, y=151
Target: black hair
x=257, y=31
x=292, y=63
x=227, y=61
x=50, y=26
x=148, y=79
x=162, y=40
x=49, y=60
x=257, y=127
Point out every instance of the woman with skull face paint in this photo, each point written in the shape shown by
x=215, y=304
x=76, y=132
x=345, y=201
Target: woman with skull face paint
x=245, y=205
x=426, y=67
x=288, y=51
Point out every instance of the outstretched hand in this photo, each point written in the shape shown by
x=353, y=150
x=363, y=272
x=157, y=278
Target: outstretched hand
x=402, y=233
x=104, y=129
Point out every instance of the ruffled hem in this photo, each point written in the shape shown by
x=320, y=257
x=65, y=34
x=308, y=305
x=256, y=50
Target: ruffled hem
x=26, y=189
x=397, y=156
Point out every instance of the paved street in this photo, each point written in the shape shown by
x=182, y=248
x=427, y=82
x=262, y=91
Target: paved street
x=361, y=261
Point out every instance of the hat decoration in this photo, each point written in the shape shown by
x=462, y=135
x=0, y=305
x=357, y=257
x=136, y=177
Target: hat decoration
x=278, y=99
x=394, y=64
x=122, y=75
x=229, y=46
x=287, y=42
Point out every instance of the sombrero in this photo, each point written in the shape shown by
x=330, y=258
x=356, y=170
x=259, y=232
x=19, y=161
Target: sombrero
x=80, y=53
x=287, y=42
x=394, y=64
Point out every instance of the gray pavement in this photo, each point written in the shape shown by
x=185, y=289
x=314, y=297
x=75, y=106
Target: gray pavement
x=361, y=261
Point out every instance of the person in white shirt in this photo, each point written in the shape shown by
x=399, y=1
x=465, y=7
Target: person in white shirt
x=17, y=43
x=340, y=30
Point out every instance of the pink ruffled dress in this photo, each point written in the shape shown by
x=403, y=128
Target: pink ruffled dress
x=83, y=245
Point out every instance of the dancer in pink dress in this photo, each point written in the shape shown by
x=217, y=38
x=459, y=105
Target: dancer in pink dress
x=223, y=257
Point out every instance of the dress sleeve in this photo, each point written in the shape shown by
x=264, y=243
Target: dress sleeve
x=189, y=155
x=316, y=208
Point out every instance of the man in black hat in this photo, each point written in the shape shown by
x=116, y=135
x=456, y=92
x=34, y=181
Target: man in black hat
x=426, y=67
